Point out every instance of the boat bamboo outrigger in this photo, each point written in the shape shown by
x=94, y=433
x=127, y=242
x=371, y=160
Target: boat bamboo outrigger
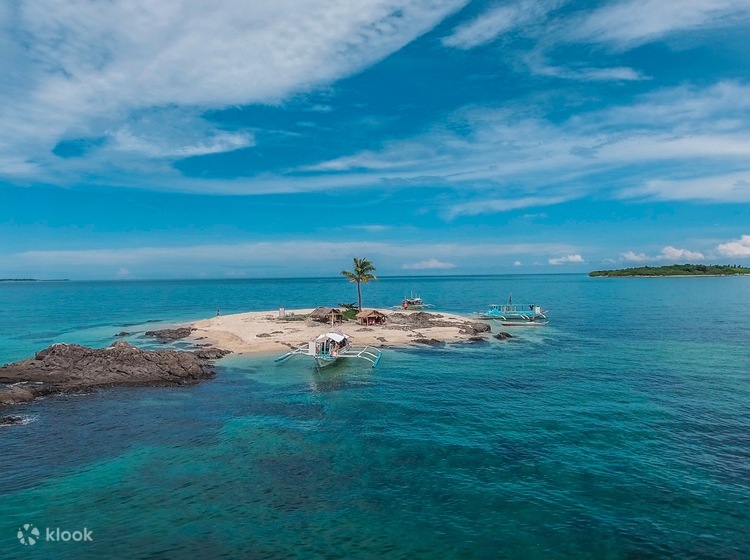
x=328, y=348
x=515, y=314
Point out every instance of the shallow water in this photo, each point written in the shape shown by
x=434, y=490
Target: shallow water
x=621, y=430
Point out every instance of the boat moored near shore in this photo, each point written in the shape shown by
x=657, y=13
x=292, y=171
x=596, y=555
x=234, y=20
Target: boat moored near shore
x=414, y=303
x=326, y=349
x=515, y=314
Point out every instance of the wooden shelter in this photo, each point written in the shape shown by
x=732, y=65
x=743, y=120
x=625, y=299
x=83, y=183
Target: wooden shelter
x=371, y=317
x=327, y=315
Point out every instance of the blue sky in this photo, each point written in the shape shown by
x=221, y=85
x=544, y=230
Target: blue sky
x=143, y=139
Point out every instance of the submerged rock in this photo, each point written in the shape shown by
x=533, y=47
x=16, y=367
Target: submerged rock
x=503, y=335
x=10, y=420
x=70, y=367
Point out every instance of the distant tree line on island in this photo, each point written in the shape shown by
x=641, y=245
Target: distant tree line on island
x=32, y=280
x=675, y=270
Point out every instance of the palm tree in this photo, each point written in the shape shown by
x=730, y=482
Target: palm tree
x=362, y=274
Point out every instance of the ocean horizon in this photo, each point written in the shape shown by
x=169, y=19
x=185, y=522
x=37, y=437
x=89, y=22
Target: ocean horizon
x=620, y=430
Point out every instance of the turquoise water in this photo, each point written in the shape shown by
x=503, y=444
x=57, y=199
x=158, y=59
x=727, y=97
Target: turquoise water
x=621, y=430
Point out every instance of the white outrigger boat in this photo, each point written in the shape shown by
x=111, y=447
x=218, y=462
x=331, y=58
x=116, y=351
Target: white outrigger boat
x=412, y=302
x=328, y=348
x=515, y=314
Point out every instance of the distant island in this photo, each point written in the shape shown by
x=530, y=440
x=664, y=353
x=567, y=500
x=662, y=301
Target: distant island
x=675, y=270
x=32, y=280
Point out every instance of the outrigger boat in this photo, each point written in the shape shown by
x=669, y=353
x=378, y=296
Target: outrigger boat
x=412, y=302
x=328, y=348
x=515, y=314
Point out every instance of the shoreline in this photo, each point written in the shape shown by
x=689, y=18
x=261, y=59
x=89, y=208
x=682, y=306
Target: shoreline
x=264, y=332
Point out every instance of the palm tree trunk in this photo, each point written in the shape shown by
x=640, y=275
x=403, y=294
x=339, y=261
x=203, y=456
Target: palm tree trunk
x=359, y=295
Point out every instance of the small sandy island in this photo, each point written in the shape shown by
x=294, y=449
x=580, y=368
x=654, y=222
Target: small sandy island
x=267, y=332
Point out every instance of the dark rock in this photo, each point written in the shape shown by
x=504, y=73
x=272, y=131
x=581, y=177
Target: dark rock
x=211, y=353
x=502, y=336
x=420, y=319
x=477, y=339
x=70, y=367
x=474, y=328
x=123, y=333
x=263, y=335
x=21, y=393
x=10, y=420
x=429, y=341
x=168, y=335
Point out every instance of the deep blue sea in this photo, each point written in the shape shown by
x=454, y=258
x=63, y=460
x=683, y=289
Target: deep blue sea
x=619, y=431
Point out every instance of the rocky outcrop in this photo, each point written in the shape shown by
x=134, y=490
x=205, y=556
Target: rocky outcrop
x=429, y=341
x=475, y=328
x=211, y=353
x=422, y=320
x=10, y=420
x=168, y=335
x=503, y=336
x=70, y=367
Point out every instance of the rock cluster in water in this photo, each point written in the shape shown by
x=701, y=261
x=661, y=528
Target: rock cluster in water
x=70, y=367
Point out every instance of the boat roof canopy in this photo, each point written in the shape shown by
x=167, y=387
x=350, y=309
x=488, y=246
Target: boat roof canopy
x=336, y=337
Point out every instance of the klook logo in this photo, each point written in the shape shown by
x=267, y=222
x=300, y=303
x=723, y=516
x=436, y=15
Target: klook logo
x=29, y=535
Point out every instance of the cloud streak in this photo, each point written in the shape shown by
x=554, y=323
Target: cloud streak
x=668, y=253
x=496, y=21
x=313, y=255
x=87, y=68
x=629, y=23
x=739, y=248
x=430, y=264
x=567, y=259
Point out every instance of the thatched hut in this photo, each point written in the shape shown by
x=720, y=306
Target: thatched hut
x=371, y=317
x=327, y=315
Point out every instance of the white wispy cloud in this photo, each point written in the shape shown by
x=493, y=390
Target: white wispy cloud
x=538, y=64
x=85, y=69
x=628, y=23
x=631, y=256
x=739, y=248
x=733, y=187
x=668, y=253
x=674, y=254
x=242, y=259
x=491, y=206
x=646, y=141
x=498, y=20
x=429, y=264
x=371, y=228
x=567, y=259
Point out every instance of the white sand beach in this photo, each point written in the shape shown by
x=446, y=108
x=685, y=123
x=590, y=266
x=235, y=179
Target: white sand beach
x=266, y=331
